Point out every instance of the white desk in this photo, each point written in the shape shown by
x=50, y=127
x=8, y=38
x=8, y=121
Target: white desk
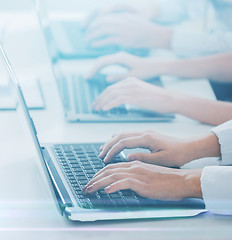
x=27, y=210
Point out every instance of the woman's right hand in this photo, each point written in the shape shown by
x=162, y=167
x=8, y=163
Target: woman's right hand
x=164, y=150
x=142, y=68
x=136, y=92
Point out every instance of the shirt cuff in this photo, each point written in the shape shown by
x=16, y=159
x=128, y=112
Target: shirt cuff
x=194, y=43
x=224, y=134
x=216, y=189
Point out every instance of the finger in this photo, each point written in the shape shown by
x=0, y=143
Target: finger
x=107, y=40
x=104, y=182
x=107, y=171
x=113, y=166
x=101, y=147
x=106, y=20
x=157, y=158
x=105, y=97
x=115, y=139
x=127, y=143
x=99, y=33
x=107, y=61
x=108, y=10
x=128, y=183
x=154, y=158
x=110, y=93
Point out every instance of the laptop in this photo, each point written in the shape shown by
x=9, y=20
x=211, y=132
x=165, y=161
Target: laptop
x=78, y=93
x=66, y=168
x=69, y=37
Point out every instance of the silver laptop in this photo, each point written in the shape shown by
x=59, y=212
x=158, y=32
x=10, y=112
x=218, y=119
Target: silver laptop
x=77, y=93
x=68, y=167
x=69, y=37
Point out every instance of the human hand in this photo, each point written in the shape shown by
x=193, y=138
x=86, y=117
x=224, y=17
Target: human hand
x=118, y=8
x=127, y=30
x=147, y=12
x=138, y=93
x=164, y=150
x=147, y=180
x=142, y=68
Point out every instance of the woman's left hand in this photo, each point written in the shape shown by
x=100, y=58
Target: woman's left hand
x=147, y=180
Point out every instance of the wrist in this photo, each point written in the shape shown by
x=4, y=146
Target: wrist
x=207, y=146
x=192, y=183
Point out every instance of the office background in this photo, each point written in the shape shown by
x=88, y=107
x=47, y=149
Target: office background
x=26, y=208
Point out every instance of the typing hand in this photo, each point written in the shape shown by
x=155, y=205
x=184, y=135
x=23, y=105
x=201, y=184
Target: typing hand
x=147, y=180
x=164, y=150
x=135, y=92
x=142, y=68
x=125, y=30
x=118, y=8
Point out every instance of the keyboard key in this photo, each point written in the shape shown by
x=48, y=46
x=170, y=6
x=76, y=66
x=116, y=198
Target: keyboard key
x=88, y=167
x=115, y=195
x=126, y=192
x=67, y=151
x=71, y=178
x=81, y=177
x=75, y=165
x=90, y=171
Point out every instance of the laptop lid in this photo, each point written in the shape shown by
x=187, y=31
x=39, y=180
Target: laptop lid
x=24, y=113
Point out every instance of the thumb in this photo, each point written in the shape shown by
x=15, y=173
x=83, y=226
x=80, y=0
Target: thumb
x=152, y=158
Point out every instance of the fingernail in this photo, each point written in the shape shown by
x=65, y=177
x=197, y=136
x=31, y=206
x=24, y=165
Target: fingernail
x=131, y=158
x=84, y=189
x=101, y=147
x=89, y=189
x=107, y=189
x=100, y=155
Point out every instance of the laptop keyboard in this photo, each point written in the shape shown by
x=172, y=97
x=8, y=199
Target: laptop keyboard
x=86, y=92
x=82, y=93
x=80, y=162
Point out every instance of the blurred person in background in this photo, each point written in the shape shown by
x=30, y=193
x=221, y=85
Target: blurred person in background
x=158, y=26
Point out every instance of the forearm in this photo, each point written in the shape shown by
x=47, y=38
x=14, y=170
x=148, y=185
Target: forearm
x=207, y=146
x=203, y=110
x=217, y=67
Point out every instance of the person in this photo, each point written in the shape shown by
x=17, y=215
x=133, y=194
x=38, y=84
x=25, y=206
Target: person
x=126, y=26
x=151, y=175
x=214, y=67
x=134, y=91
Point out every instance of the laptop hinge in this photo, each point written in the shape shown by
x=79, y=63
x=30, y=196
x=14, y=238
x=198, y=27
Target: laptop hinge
x=61, y=194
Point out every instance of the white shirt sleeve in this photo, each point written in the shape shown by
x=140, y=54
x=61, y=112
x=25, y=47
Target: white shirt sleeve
x=224, y=135
x=194, y=43
x=216, y=180
x=216, y=189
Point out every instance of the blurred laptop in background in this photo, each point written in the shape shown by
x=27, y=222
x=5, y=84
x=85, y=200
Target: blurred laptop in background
x=69, y=37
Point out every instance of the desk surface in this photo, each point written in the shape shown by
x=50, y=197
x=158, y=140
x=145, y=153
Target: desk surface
x=27, y=210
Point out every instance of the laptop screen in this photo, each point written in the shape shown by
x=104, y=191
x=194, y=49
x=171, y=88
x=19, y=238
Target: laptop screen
x=22, y=110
